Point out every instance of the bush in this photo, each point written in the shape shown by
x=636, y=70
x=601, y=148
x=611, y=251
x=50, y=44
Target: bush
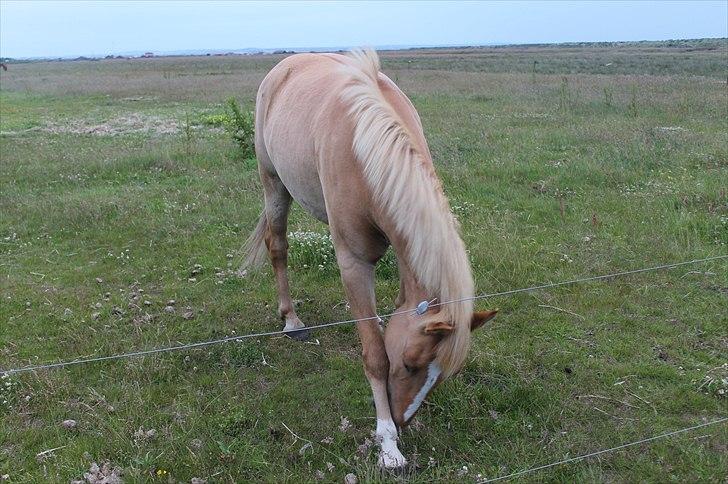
x=241, y=127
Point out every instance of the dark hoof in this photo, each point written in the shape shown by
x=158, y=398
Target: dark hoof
x=298, y=334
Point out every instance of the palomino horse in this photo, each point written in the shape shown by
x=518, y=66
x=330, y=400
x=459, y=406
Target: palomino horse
x=339, y=137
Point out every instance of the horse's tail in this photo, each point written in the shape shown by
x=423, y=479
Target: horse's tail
x=254, y=249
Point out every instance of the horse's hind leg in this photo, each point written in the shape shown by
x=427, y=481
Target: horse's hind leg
x=277, y=205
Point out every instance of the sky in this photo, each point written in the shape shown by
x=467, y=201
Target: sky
x=74, y=28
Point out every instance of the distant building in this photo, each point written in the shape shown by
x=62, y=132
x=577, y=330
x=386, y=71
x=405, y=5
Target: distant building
x=148, y=54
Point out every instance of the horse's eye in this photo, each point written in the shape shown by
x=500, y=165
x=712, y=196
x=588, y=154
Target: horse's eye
x=409, y=368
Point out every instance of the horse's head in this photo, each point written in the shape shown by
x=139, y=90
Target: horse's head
x=412, y=342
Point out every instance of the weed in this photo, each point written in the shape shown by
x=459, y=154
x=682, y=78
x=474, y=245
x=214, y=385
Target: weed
x=241, y=127
x=564, y=95
x=632, y=106
x=608, y=95
x=187, y=129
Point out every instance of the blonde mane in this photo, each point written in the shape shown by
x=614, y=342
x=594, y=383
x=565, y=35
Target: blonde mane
x=403, y=180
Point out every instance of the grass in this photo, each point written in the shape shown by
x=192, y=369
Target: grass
x=117, y=196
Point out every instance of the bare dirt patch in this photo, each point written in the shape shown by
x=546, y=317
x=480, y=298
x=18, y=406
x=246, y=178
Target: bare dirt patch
x=120, y=125
x=128, y=124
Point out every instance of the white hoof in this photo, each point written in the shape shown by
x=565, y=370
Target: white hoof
x=293, y=324
x=389, y=456
x=391, y=459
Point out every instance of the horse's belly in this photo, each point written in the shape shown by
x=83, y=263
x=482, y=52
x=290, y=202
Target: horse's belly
x=311, y=199
x=292, y=101
x=301, y=179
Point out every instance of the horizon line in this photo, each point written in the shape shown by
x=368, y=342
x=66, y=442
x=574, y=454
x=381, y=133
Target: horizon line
x=383, y=47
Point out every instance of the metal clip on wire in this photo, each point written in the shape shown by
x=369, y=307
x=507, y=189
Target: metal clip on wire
x=423, y=307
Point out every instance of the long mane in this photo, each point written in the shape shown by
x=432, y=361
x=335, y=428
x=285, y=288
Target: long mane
x=403, y=180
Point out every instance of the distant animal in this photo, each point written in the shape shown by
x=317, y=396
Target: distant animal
x=338, y=136
x=4, y=66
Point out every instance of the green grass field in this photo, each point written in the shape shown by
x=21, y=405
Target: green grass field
x=560, y=162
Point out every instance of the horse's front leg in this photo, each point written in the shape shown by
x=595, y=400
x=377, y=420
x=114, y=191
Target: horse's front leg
x=358, y=278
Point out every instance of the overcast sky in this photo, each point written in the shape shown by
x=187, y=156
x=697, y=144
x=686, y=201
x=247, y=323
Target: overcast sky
x=55, y=29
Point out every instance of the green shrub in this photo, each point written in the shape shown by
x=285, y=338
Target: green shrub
x=241, y=126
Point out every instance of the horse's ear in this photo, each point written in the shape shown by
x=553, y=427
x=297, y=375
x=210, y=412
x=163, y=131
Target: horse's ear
x=480, y=318
x=438, y=327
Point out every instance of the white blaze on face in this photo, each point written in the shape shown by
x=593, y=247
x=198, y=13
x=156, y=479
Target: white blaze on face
x=433, y=372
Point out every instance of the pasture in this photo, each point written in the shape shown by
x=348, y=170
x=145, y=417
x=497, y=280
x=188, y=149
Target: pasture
x=123, y=207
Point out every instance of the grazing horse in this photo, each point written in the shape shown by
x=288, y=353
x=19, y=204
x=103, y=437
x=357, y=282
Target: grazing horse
x=339, y=137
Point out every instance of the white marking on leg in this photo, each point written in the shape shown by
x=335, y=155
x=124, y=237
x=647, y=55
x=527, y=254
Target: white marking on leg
x=293, y=323
x=390, y=455
x=433, y=373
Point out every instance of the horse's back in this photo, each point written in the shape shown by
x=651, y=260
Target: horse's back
x=291, y=104
x=297, y=97
x=304, y=132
